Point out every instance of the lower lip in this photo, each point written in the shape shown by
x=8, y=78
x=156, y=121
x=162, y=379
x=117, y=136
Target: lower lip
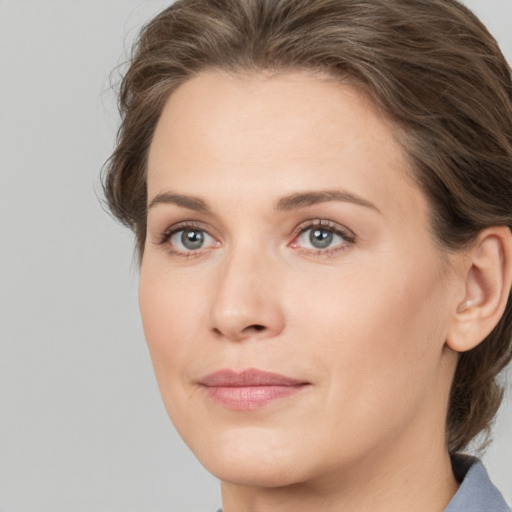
x=249, y=398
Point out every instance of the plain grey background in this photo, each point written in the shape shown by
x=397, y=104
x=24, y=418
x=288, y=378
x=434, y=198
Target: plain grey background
x=82, y=427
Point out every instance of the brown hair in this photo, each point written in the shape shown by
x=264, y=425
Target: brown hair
x=429, y=64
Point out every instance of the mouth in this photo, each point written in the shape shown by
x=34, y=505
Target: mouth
x=250, y=389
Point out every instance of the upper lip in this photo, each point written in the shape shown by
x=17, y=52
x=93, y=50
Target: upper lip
x=248, y=378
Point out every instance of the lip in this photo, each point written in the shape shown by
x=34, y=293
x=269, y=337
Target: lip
x=250, y=389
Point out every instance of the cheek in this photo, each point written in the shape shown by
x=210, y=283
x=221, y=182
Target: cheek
x=171, y=312
x=378, y=331
x=375, y=339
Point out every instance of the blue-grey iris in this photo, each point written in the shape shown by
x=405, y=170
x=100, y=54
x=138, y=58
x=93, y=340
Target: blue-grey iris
x=192, y=239
x=320, y=238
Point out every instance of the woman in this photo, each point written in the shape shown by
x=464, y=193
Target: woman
x=320, y=193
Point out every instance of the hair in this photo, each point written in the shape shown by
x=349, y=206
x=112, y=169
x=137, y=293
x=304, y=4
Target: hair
x=430, y=65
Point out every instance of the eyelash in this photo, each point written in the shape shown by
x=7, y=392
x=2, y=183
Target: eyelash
x=348, y=237
x=164, y=238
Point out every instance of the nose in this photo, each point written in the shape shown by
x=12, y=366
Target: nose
x=247, y=300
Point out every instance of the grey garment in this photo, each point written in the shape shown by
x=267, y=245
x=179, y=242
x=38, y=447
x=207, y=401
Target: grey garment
x=476, y=492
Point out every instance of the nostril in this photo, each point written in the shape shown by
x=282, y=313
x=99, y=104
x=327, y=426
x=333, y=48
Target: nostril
x=245, y=330
x=254, y=327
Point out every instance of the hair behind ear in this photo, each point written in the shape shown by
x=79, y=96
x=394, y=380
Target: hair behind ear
x=476, y=394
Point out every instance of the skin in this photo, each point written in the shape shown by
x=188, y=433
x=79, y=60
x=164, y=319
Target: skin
x=364, y=322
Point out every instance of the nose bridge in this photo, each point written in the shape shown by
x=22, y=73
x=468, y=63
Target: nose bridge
x=246, y=302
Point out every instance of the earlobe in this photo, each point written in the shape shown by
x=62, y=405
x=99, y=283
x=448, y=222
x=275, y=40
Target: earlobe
x=487, y=283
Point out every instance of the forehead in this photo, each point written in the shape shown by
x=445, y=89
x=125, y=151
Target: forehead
x=220, y=109
x=295, y=131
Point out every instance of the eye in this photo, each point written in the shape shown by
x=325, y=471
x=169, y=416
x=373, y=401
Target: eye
x=191, y=239
x=187, y=239
x=319, y=238
x=322, y=237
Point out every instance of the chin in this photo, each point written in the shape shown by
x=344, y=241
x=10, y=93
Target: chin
x=255, y=472
x=251, y=456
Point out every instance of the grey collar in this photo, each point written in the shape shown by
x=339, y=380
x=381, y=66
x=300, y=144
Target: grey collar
x=476, y=492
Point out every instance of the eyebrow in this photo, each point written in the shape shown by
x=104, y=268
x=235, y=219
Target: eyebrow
x=304, y=199
x=290, y=202
x=188, y=202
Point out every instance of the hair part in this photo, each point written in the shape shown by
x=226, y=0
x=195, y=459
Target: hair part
x=430, y=65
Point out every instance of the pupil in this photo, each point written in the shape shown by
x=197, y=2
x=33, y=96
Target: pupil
x=320, y=238
x=192, y=239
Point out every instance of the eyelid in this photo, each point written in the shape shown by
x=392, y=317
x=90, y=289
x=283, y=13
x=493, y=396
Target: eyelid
x=346, y=233
x=164, y=236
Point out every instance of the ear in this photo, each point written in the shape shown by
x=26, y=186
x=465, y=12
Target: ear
x=487, y=279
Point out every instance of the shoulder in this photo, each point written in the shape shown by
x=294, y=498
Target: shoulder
x=476, y=492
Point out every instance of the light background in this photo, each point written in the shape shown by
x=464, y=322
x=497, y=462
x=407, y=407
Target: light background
x=82, y=427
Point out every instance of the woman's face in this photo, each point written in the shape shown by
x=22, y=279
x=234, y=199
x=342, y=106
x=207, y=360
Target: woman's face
x=295, y=304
